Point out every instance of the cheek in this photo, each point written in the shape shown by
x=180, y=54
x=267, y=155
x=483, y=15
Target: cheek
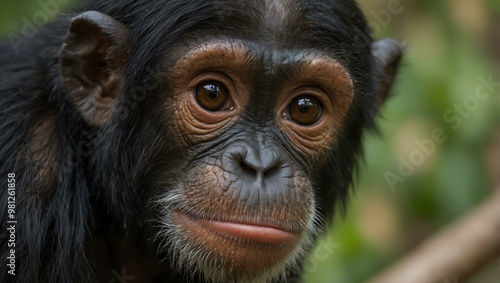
x=193, y=125
x=312, y=143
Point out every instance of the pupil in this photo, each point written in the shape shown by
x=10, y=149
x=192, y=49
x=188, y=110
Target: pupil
x=213, y=91
x=304, y=105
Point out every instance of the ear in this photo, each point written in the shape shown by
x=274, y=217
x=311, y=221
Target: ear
x=92, y=59
x=387, y=54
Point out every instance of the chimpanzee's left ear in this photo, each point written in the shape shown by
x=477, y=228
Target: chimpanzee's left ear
x=387, y=54
x=92, y=59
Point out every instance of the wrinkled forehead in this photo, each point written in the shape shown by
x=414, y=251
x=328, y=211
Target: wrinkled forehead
x=249, y=54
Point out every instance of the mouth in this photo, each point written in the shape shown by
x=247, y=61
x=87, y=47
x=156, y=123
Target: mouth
x=245, y=249
x=249, y=232
x=242, y=249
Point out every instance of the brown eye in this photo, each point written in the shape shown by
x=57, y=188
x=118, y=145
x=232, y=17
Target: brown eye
x=305, y=110
x=211, y=95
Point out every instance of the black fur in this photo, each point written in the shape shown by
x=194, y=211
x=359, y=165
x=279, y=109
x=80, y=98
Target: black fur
x=105, y=180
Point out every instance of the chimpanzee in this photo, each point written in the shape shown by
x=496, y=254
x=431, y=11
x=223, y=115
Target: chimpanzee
x=183, y=140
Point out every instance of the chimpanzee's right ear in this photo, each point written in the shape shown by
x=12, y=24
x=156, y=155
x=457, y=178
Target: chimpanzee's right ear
x=92, y=59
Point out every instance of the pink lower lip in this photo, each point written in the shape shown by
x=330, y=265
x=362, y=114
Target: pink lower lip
x=257, y=233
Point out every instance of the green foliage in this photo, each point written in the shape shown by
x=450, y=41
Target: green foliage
x=443, y=62
x=14, y=15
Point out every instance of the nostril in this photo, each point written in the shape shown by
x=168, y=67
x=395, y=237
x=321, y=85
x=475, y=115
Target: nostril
x=274, y=169
x=245, y=160
x=247, y=169
x=271, y=172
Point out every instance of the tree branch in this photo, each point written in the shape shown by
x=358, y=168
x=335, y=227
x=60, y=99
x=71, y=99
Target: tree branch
x=457, y=252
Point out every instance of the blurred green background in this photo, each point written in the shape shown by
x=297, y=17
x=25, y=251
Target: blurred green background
x=452, y=44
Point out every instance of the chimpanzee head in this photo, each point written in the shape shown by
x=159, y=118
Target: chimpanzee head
x=229, y=130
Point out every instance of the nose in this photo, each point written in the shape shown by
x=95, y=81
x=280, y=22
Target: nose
x=255, y=165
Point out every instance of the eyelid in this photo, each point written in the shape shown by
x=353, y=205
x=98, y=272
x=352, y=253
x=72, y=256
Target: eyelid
x=216, y=76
